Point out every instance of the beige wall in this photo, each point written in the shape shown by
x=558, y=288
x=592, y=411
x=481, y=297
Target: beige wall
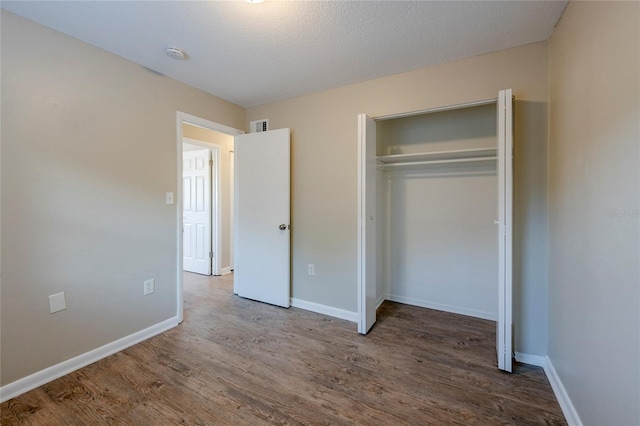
x=594, y=232
x=226, y=146
x=324, y=150
x=88, y=152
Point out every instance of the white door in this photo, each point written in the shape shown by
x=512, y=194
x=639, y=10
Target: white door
x=504, y=344
x=367, y=168
x=196, y=216
x=262, y=209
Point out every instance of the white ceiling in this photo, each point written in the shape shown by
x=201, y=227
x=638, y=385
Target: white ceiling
x=252, y=54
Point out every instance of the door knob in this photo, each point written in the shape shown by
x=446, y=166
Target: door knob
x=282, y=227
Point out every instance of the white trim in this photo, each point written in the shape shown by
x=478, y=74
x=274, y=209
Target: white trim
x=179, y=230
x=41, y=377
x=380, y=300
x=325, y=310
x=182, y=117
x=537, y=360
x=360, y=261
x=232, y=200
x=207, y=124
x=569, y=411
x=226, y=270
x=216, y=220
x=442, y=307
x=235, y=229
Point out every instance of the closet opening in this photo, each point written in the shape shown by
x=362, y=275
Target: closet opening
x=435, y=213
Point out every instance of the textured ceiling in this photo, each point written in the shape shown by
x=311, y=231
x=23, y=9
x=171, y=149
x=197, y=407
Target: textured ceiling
x=252, y=54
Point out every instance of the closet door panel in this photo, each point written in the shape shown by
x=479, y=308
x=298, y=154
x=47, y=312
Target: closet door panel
x=504, y=344
x=367, y=204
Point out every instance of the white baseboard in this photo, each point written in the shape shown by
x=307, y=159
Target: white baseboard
x=441, y=307
x=537, y=360
x=325, y=310
x=41, y=377
x=569, y=411
x=225, y=271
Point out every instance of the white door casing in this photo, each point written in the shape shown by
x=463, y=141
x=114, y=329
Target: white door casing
x=181, y=119
x=505, y=230
x=196, y=217
x=367, y=166
x=262, y=216
x=367, y=229
x=232, y=162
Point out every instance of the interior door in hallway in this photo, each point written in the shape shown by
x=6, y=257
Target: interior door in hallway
x=196, y=218
x=262, y=211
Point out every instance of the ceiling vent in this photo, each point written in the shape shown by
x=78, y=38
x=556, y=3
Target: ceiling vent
x=259, y=126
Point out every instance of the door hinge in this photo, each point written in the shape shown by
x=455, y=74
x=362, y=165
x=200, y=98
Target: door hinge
x=211, y=254
x=211, y=162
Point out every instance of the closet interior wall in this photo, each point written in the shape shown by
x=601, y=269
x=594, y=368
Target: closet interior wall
x=437, y=240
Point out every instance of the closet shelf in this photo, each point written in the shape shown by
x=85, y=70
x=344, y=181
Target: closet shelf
x=439, y=157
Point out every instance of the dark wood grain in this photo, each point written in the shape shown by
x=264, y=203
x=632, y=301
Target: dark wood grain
x=237, y=362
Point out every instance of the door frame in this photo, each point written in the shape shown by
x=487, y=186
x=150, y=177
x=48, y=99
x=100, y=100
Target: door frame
x=183, y=117
x=232, y=206
x=504, y=334
x=216, y=241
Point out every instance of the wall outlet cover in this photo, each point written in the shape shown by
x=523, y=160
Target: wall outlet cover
x=149, y=286
x=57, y=302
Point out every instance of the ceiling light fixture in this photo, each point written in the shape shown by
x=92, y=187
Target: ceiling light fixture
x=175, y=53
x=255, y=1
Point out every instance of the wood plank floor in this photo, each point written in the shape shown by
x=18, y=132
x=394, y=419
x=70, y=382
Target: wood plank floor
x=238, y=362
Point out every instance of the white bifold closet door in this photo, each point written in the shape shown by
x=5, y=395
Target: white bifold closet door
x=367, y=191
x=504, y=330
x=367, y=253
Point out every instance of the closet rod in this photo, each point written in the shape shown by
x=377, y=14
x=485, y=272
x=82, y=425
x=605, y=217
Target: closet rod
x=454, y=160
x=437, y=109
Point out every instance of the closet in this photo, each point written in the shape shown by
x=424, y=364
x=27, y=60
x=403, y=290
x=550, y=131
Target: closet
x=435, y=202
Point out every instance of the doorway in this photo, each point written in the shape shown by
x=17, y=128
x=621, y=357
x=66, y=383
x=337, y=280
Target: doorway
x=218, y=138
x=201, y=185
x=421, y=152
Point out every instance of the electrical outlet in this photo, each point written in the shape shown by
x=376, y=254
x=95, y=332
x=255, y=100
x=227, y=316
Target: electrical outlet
x=168, y=198
x=57, y=302
x=149, y=286
x=311, y=269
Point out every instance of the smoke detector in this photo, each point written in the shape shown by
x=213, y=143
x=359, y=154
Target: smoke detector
x=175, y=53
